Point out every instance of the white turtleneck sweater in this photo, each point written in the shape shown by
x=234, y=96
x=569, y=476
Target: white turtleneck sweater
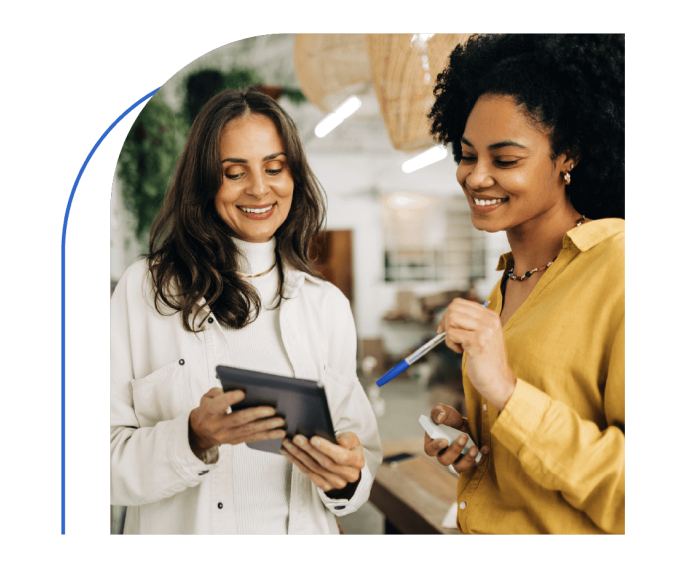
x=262, y=481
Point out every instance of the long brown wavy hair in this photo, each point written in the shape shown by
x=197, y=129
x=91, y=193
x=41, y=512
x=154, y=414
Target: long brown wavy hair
x=192, y=255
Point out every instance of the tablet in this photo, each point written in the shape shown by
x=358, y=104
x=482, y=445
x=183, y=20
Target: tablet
x=302, y=403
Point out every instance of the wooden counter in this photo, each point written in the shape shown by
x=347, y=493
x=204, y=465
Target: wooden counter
x=415, y=494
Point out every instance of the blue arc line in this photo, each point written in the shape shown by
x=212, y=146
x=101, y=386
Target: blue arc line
x=64, y=240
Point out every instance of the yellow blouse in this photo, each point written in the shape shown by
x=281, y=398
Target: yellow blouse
x=556, y=461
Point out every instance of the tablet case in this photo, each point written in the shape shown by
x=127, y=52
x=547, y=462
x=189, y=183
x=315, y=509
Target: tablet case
x=302, y=403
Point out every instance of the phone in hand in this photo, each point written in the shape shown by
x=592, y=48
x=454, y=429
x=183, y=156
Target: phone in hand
x=436, y=431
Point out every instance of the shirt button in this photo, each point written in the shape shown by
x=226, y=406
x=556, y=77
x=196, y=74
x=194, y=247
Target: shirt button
x=484, y=407
x=462, y=505
x=220, y=505
x=181, y=361
x=210, y=320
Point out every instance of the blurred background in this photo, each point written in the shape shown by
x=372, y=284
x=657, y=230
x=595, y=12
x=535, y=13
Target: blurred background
x=399, y=241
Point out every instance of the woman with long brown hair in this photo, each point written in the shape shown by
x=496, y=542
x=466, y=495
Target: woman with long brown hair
x=228, y=281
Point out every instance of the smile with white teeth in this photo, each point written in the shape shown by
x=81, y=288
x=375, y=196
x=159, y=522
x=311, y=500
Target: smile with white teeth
x=484, y=202
x=248, y=210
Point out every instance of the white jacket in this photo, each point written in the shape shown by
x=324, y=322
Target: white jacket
x=158, y=373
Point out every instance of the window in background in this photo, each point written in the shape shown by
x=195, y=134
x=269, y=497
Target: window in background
x=431, y=238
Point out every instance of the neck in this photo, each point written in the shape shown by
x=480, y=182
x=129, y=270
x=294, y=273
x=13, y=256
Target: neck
x=538, y=240
x=255, y=258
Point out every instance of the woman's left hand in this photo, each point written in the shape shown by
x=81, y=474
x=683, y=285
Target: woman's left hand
x=330, y=466
x=473, y=329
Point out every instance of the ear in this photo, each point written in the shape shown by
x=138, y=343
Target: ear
x=571, y=159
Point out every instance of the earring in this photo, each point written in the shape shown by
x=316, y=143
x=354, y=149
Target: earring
x=567, y=178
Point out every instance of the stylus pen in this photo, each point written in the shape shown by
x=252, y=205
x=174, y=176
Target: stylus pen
x=411, y=359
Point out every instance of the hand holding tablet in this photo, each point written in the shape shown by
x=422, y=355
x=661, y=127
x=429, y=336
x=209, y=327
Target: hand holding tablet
x=210, y=425
x=331, y=463
x=300, y=402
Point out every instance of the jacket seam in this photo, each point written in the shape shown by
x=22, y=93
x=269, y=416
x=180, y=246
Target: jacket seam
x=129, y=400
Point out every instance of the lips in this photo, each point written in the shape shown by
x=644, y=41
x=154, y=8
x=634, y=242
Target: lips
x=259, y=210
x=486, y=208
x=488, y=198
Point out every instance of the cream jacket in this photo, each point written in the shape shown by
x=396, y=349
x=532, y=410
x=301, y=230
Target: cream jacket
x=158, y=373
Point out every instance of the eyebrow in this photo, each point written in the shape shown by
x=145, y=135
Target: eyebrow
x=495, y=146
x=265, y=159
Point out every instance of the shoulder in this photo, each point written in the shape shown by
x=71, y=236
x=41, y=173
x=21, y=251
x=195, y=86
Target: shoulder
x=313, y=288
x=610, y=241
x=328, y=293
x=135, y=283
x=602, y=239
x=136, y=271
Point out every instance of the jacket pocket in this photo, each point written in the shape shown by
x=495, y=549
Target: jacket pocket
x=162, y=395
x=338, y=388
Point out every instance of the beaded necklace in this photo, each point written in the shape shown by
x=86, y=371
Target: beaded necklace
x=528, y=274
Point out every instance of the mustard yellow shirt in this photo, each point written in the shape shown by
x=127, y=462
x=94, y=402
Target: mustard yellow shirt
x=556, y=463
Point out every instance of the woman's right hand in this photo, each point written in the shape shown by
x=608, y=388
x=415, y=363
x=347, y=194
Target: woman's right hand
x=210, y=425
x=443, y=414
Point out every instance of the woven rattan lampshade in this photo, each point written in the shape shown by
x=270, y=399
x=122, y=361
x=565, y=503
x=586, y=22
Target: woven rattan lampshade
x=404, y=69
x=332, y=67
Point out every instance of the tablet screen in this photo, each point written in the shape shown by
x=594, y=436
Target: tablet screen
x=301, y=402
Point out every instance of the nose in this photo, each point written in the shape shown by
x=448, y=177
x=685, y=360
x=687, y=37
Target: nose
x=479, y=176
x=257, y=186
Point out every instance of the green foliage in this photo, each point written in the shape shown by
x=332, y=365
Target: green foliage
x=294, y=95
x=147, y=161
x=157, y=138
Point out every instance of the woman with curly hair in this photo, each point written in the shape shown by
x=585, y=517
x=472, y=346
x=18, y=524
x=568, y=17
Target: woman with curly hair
x=228, y=281
x=536, y=124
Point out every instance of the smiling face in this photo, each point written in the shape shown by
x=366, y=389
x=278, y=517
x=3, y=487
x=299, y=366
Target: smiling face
x=506, y=169
x=257, y=186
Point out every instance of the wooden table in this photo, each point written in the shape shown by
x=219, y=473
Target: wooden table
x=416, y=494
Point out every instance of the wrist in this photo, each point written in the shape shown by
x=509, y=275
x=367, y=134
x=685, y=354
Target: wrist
x=347, y=492
x=504, y=394
x=195, y=442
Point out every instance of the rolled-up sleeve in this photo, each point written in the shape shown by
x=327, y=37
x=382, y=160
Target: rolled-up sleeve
x=147, y=463
x=563, y=452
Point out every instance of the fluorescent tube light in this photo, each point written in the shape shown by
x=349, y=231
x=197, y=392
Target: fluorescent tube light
x=335, y=118
x=434, y=154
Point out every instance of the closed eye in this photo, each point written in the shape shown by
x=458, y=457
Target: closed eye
x=499, y=163
x=269, y=172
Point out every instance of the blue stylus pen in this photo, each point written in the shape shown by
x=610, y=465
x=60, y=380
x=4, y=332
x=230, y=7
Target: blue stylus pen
x=411, y=359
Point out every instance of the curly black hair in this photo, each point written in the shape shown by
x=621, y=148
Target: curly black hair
x=571, y=86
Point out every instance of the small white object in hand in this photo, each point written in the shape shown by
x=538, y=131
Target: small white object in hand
x=436, y=431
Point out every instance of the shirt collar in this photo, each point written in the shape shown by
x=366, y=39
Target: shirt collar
x=582, y=238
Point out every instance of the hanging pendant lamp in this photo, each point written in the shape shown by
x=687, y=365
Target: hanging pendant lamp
x=332, y=67
x=404, y=70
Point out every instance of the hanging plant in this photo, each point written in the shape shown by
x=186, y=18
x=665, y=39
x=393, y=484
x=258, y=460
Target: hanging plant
x=147, y=161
